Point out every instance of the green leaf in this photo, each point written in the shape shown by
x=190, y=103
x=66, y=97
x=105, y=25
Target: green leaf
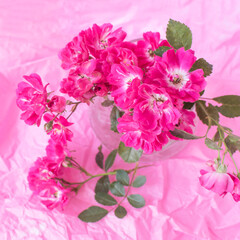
x=117, y=189
x=232, y=144
x=129, y=154
x=105, y=199
x=217, y=135
x=110, y=159
x=204, y=112
x=230, y=105
x=120, y=212
x=229, y=111
x=179, y=35
x=107, y=103
x=99, y=158
x=161, y=50
x=136, y=200
x=93, y=214
x=230, y=100
x=188, y=105
x=211, y=144
x=102, y=185
x=115, y=114
x=234, y=138
x=201, y=63
x=184, y=135
x=227, y=129
x=122, y=177
x=139, y=181
x=48, y=126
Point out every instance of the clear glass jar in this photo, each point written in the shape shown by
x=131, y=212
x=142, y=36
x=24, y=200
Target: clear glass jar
x=101, y=124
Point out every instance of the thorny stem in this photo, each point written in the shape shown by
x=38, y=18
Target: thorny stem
x=55, y=116
x=205, y=98
x=74, y=109
x=80, y=168
x=234, y=162
x=74, y=103
x=227, y=150
x=98, y=175
x=129, y=187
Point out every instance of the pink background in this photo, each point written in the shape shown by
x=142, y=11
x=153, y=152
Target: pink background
x=31, y=34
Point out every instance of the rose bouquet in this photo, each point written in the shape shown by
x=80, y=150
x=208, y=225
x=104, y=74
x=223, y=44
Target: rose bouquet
x=154, y=88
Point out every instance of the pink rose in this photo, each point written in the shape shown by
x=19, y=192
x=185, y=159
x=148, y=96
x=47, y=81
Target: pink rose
x=32, y=99
x=98, y=38
x=236, y=188
x=57, y=104
x=53, y=195
x=146, y=47
x=172, y=72
x=75, y=52
x=58, y=130
x=39, y=175
x=125, y=81
x=218, y=182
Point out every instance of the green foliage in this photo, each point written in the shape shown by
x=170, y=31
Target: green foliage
x=232, y=144
x=115, y=114
x=102, y=185
x=120, y=212
x=205, y=113
x=110, y=159
x=99, y=157
x=179, y=35
x=211, y=144
x=188, y=105
x=136, y=200
x=117, y=189
x=105, y=199
x=161, y=50
x=139, y=181
x=230, y=105
x=201, y=63
x=107, y=103
x=122, y=177
x=129, y=154
x=93, y=214
x=184, y=135
x=218, y=135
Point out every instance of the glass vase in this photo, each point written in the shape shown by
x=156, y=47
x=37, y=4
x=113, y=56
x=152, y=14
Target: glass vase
x=101, y=125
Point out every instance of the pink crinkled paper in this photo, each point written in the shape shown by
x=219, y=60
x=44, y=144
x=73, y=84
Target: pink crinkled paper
x=31, y=35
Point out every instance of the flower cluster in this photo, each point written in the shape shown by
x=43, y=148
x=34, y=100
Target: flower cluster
x=154, y=85
x=149, y=89
x=33, y=100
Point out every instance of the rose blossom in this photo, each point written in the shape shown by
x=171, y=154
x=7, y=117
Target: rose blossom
x=53, y=195
x=154, y=109
x=101, y=37
x=39, y=175
x=117, y=55
x=236, y=188
x=185, y=122
x=75, y=52
x=125, y=81
x=218, y=182
x=58, y=129
x=81, y=83
x=32, y=99
x=137, y=137
x=172, y=72
x=146, y=47
x=56, y=153
x=57, y=104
